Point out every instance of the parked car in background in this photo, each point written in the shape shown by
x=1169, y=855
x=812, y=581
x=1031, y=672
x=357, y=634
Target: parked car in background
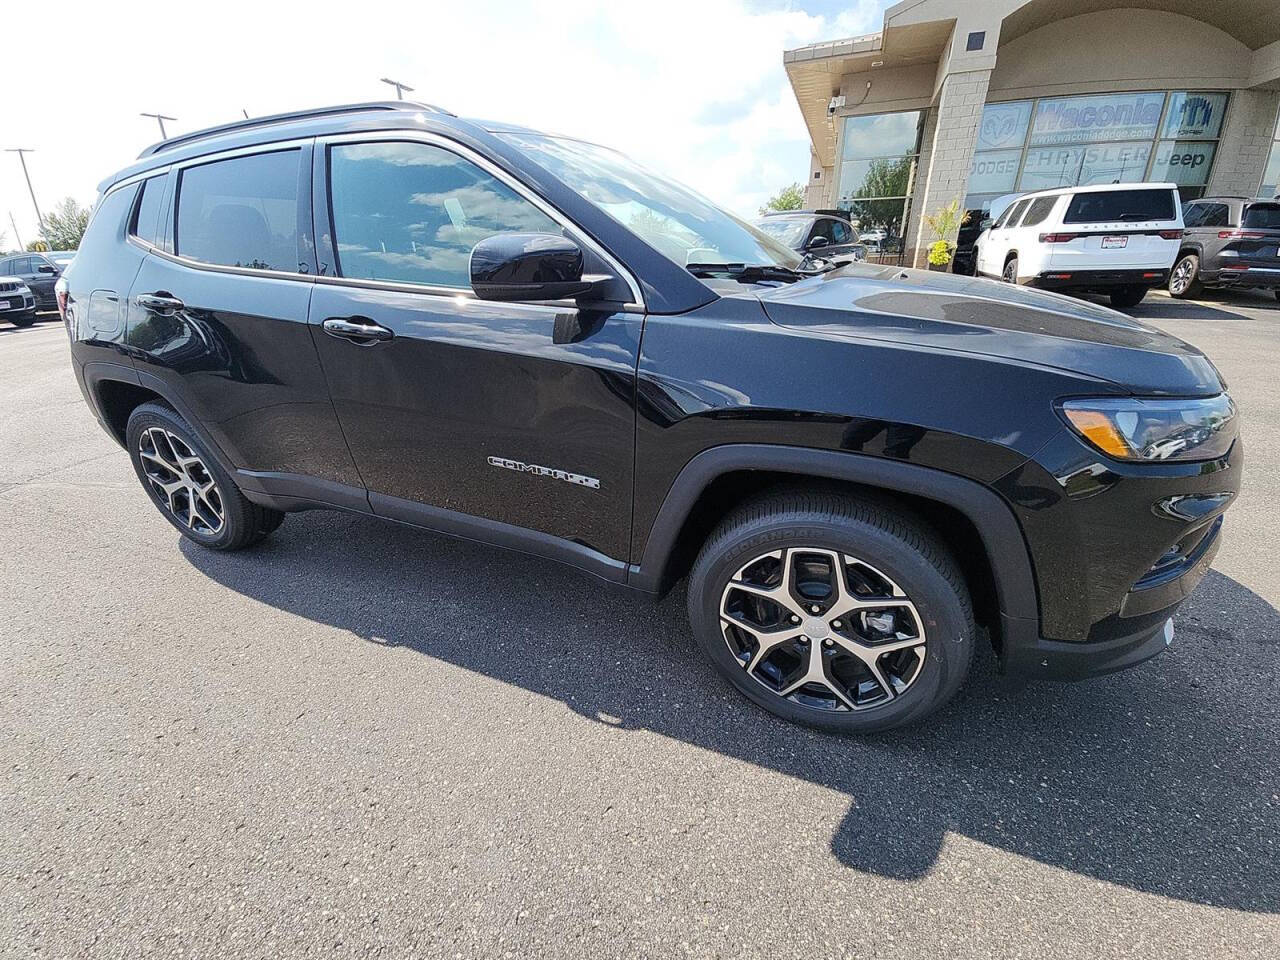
x=533, y=342
x=17, y=303
x=1119, y=239
x=60, y=258
x=38, y=272
x=823, y=233
x=1229, y=242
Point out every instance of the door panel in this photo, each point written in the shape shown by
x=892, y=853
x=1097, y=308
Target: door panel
x=239, y=353
x=465, y=382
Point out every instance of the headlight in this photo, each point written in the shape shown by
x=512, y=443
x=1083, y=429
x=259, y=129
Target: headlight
x=1134, y=429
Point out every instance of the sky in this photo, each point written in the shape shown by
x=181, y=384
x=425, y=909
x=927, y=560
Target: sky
x=691, y=88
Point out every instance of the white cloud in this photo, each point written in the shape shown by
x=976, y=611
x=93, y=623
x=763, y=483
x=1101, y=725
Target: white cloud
x=694, y=89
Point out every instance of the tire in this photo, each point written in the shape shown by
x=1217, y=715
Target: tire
x=166, y=453
x=24, y=319
x=1010, y=274
x=885, y=543
x=1184, y=278
x=1126, y=297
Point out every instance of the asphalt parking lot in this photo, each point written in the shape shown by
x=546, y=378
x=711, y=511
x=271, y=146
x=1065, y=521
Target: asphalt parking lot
x=359, y=740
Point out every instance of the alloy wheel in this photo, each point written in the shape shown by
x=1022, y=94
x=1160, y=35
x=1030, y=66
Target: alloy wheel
x=822, y=629
x=182, y=480
x=1182, y=274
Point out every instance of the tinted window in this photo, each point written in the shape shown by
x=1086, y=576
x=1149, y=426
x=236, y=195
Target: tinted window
x=1262, y=216
x=1016, y=214
x=823, y=227
x=148, y=216
x=842, y=232
x=1003, y=218
x=1112, y=205
x=241, y=212
x=412, y=212
x=1039, y=210
x=1193, y=215
x=1215, y=215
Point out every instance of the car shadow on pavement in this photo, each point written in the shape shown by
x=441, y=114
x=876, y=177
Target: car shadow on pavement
x=1155, y=779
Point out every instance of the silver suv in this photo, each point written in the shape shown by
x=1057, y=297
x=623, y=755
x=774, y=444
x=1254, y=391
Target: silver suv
x=1229, y=242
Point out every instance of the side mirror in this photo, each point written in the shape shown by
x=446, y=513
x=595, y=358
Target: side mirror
x=46, y=268
x=815, y=243
x=530, y=266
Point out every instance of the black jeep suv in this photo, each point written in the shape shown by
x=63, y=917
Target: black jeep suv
x=533, y=342
x=1228, y=242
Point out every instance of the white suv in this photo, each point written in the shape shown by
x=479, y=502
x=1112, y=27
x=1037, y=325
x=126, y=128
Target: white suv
x=1119, y=239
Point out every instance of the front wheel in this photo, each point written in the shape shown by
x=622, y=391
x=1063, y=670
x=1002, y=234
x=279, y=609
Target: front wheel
x=1127, y=297
x=833, y=611
x=23, y=319
x=188, y=486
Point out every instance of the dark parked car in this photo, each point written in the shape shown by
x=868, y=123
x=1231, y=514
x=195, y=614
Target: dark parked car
x=826, y=234
x=38, y=272
x=1229, y=242
x=532, y=342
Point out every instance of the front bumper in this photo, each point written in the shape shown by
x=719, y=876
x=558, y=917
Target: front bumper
x=16, y=303
x=1099, y=279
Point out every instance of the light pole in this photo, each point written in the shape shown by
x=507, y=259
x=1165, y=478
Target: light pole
x=160, y=118
x=13, y=223
x=22, y=152
x=401, y=88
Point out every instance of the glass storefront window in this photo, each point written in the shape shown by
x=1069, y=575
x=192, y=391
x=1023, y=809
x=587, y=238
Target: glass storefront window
x=1100, y=138
x=878, y=161
x=1194, y=116
x=1107, y=116
x=1271, y=176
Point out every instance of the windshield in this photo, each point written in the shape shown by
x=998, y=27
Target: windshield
x=786, y=230
x=671, y=218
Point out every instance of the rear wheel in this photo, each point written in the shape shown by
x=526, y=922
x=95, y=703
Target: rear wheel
x=832, y=611
x=1128, y=296
x=1010, y=274
x=188, y=486
x=1184, y=280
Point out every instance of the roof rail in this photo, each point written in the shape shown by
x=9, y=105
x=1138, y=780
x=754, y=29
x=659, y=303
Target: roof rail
x=253, y=122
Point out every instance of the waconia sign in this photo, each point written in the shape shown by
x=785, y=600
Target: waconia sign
x=1122, y=116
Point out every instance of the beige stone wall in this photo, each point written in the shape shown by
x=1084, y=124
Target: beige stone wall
x=945, y=168
x=1246, y=142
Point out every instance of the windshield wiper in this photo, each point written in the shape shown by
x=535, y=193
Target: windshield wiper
x=747, y=272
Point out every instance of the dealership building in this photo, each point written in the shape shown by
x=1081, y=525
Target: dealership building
x=980, y=98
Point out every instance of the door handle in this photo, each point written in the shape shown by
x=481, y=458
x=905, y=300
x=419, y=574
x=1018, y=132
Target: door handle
x=359, y=330
x=159, y=302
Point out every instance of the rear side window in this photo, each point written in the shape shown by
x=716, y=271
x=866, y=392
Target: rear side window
x=1193, y=215
x=241, y=212
x=1216, y=215
x=1111, y=205
x=411, y=212
x=1016, y=214
x=1262, y=216
x=1039, y=211
x=147, y=218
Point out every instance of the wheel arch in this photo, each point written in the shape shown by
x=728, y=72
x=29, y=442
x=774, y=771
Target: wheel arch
x=969, y=516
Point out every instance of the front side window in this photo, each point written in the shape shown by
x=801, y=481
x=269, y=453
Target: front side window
x=412, y=212
x=241, y=212
x=671, y=218
x=1016, y=214
x=841, y=231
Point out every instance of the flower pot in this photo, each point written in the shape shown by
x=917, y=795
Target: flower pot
x=940, y=267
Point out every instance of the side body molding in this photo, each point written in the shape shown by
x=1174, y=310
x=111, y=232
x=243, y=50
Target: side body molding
x=985, y=509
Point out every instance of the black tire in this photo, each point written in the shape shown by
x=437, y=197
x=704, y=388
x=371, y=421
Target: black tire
x=879, y=533
x=1125, y=297
x=24, y=319
x=243, y=522
x=1010, y=274
x=1184, y=278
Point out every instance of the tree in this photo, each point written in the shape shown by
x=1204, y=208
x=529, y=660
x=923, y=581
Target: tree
x=64, y=227
x=788, y=198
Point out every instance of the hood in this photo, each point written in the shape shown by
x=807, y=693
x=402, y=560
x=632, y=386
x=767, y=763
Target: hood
x=986, y=317
x=18, y=280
